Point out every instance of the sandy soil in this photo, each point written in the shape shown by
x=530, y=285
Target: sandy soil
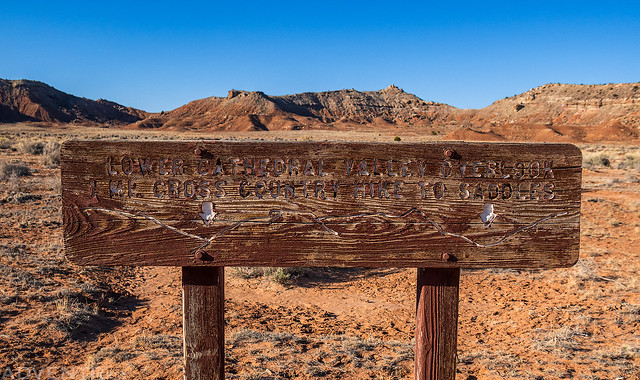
x=64, y=321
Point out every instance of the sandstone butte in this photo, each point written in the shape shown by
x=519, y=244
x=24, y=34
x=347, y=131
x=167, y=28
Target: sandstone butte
x=552, y=112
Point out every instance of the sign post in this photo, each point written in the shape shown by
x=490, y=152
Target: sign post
x=204, y=205
x=203, y=322
x=436, y=323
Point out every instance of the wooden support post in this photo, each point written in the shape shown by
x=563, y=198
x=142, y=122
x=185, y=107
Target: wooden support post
x=203, y=322
x=436, y=324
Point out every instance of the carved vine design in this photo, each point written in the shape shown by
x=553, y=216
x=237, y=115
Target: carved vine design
x=275, y=215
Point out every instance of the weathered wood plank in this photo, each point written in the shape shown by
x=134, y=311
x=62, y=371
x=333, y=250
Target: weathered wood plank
x=203, y=322
x=347, y=204
x=402, y=246
x=436, y=324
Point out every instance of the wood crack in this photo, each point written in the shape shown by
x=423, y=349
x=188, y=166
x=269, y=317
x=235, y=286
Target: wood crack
x=275, y=215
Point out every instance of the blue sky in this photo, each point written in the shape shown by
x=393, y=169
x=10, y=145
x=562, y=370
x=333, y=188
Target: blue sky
x=160, y=55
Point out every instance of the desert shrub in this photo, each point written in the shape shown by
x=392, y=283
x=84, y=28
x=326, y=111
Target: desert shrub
x=13, y=251
x=19, y=198
x=248, y=272
x=19, y=279
x=51, y=154
x=630, y=161
x=596, y=160
x=279, y=275
x=148, y=342
x=5, y=143
x=17, y=169
x=31, y=147
x=74, y=317
x=52, y=184
x=113, y=352
x=563, y=339
x=397, y=138
x=326, y=356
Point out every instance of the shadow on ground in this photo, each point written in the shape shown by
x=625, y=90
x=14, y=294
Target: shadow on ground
x=311, y=277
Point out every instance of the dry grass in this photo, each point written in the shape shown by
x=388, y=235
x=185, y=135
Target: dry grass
x=147, y=351
x=9, y=170
x=563, y=341
x=287, y=356
x=148, y=342
x=51, y=154
x=618, y=157
x=596, y=161
x=113, y=352
x=5, y=143
x=73, y=315
x=630, y=161
x=276, y=274
x=30, y=147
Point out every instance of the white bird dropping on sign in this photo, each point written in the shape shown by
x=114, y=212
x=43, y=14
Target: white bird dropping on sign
x=208, y=212
x=488, y=215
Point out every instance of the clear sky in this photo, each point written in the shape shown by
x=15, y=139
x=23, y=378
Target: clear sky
x=160, y=55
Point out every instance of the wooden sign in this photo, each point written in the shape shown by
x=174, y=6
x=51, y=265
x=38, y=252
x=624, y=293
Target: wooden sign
x=222, y=203
x=438, y=207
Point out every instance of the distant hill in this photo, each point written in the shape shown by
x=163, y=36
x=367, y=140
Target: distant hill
x=26, y=100
x=344, y=109
x=558, y=112
x=552, y=112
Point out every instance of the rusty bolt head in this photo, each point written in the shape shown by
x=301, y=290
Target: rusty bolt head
x=446, y=256
x=448, y=153
x=198, y=151
x=200, y=254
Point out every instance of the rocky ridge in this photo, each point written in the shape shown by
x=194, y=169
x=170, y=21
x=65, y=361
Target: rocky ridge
x=552, y=112
x=343, y=109
x=26, y=100
x=557, y=112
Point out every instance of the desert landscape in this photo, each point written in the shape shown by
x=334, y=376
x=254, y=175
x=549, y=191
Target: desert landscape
x=60, y=320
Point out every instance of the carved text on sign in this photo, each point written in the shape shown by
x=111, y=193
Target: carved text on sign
x=289, y=178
